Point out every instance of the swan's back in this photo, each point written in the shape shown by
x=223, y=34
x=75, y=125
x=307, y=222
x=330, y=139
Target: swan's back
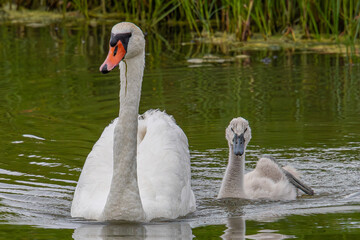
x=268, y=181
x=163, y=168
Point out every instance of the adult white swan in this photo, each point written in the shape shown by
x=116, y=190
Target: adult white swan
x=139, y=169
x=267, y=181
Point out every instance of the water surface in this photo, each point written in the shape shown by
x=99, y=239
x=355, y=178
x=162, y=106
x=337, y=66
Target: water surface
x=303, y=108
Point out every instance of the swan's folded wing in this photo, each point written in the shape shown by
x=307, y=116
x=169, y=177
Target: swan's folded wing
x=164, y=168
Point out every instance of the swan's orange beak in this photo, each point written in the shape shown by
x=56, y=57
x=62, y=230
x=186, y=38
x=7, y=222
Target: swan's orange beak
x=114, y=57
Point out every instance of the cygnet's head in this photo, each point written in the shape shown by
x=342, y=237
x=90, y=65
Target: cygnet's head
x=238, y=135
x=126, y=41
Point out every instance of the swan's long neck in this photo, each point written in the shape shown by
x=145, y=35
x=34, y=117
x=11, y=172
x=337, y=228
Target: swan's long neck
x=124, y=202
x=232, y=185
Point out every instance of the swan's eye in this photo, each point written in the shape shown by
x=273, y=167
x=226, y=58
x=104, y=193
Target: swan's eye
x=115, y=51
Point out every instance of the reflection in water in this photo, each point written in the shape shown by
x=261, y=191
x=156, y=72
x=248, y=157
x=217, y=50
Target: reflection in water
x=175, y=230
x=269, y=235
x=236, y=229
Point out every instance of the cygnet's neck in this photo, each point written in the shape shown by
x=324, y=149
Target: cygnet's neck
x=232, y=185
x=124, y=202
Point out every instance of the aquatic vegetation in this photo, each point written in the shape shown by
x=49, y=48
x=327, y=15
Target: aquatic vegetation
x=339, y=20
x=299, y=24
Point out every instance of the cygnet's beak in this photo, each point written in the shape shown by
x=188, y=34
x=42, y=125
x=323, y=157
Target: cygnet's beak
x=239, y=144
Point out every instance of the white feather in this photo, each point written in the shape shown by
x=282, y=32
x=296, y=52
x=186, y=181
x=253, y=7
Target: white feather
x=94, y=182
x=163, y=170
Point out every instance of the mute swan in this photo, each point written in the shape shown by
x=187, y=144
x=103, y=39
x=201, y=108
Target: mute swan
x=139, y=169
x=267, y=181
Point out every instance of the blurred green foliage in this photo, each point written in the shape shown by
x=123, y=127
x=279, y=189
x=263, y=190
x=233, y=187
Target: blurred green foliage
x=296, y=18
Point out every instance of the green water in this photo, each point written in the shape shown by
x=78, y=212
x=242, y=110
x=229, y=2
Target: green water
x=303, y=108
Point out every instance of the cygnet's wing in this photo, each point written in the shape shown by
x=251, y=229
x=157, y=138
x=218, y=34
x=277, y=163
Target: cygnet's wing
x=298, y=183
x=271, y=162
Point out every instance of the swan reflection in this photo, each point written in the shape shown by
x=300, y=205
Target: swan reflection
x=176, y=230
x=236, y=229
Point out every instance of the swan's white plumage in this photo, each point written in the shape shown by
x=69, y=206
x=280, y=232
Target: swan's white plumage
x=164, y=167
x=94, y=182
x=162, y=151
x=139, y=169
